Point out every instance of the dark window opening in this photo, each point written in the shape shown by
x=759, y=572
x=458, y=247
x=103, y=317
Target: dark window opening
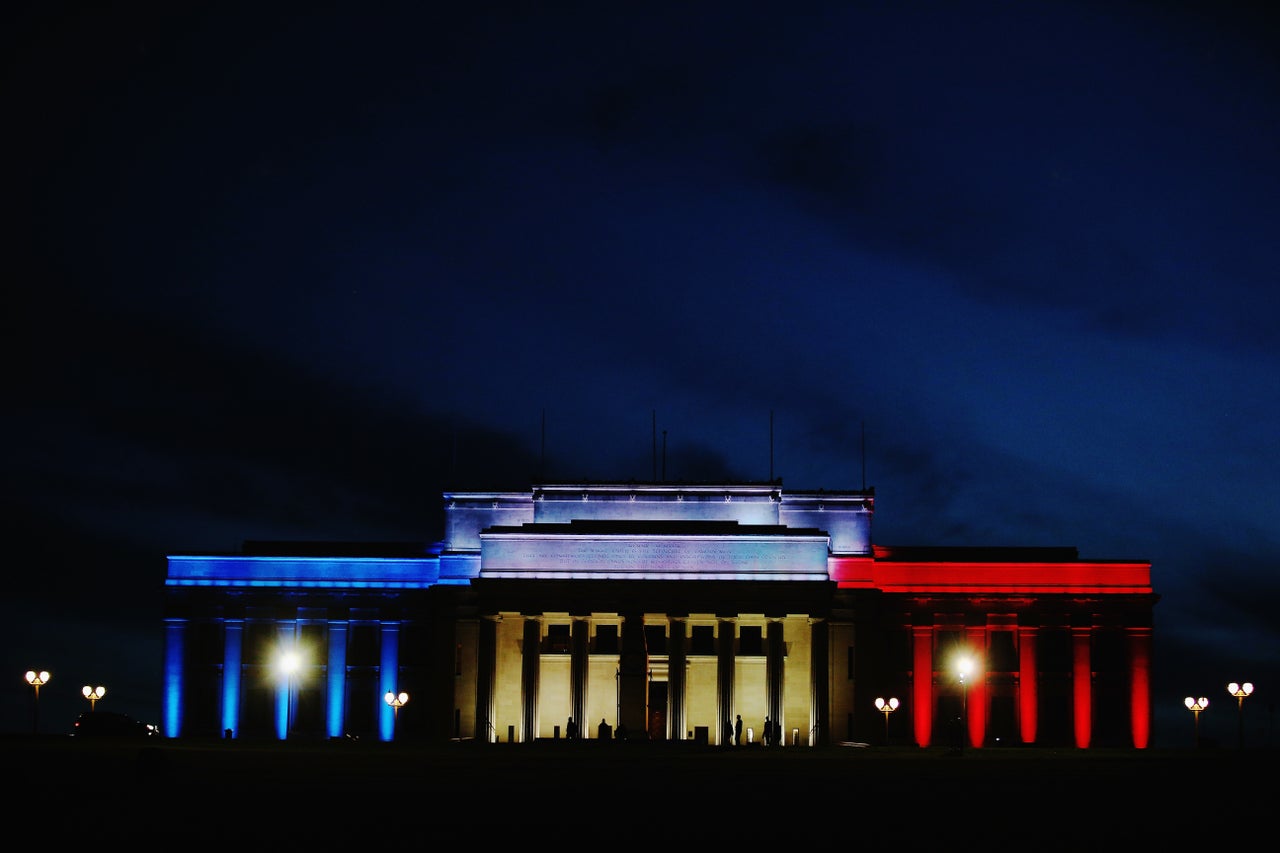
x=557, y=641
x=703, y=641
x=751, y=640
x=655, y=639
x=606, y=639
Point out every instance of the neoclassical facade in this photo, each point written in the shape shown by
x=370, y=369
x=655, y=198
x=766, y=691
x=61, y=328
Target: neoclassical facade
x=659, y=611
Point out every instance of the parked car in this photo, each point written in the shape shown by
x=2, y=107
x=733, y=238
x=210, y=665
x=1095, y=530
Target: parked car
x=111, y=724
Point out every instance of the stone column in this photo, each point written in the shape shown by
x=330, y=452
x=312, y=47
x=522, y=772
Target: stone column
x=633, y=678
x=336, y=679
x=1028, y=684
x=676, y=663
x=232, y=657
x=486, y=674
x=726, y=670
x=1081, y=685
x=819, y=683
x=284, y=684
x=1139, y=643
x=389, y=678
x=175, y=641
x=774, y=667
x=530, y=678
x=579, y=646
x=976, y=703
x=922, y=683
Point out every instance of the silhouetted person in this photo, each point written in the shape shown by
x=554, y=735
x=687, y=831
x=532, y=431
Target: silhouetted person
x=728, y=732
x=602, y=730
x=737, y=731
x=571, y=729
x=767, y=732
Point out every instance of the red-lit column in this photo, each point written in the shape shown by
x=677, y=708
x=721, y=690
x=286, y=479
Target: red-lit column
x=922, y=683
x=976, y=703
x=1140, y=686
x=1028, y=681
x=1081, y=686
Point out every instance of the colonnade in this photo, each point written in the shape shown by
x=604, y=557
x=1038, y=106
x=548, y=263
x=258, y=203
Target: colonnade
x=924, y=645
x=636, y=668
x=700, y=690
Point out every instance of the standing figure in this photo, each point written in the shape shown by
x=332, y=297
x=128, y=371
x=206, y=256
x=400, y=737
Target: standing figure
x=737, y=731
x=766, y=732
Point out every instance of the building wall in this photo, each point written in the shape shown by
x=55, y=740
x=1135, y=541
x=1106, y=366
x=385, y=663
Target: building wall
x=1065, y=650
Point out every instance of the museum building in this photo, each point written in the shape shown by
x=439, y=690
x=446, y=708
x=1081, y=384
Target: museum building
x=664, y=612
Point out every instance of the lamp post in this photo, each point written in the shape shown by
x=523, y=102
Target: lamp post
x=396, y=701
x=1196, y=706
x=886, y=708
x=1240, y=691
x=35, y=679
x=964, y=665
x=93, y=694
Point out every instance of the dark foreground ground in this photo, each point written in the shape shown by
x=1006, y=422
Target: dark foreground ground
x=63, y=793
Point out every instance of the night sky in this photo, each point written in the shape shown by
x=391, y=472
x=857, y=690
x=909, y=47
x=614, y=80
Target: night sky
x=289, y=276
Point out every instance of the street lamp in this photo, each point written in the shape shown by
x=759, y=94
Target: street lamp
x=289, y=665
x=93, y=694
x=886, y=708
x=1196, y=706
x=35, y=679
x=396, y=701
x=964, y=665
x=1240, y=691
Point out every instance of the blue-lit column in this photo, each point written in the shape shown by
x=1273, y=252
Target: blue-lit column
x=232, y=655
x=284, y=681
x=336, y=685
x=175, y=636
x=389, y=676
x=726, y=671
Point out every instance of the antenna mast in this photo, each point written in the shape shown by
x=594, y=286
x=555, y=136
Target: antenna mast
x=864, y=456
x=664, y=456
